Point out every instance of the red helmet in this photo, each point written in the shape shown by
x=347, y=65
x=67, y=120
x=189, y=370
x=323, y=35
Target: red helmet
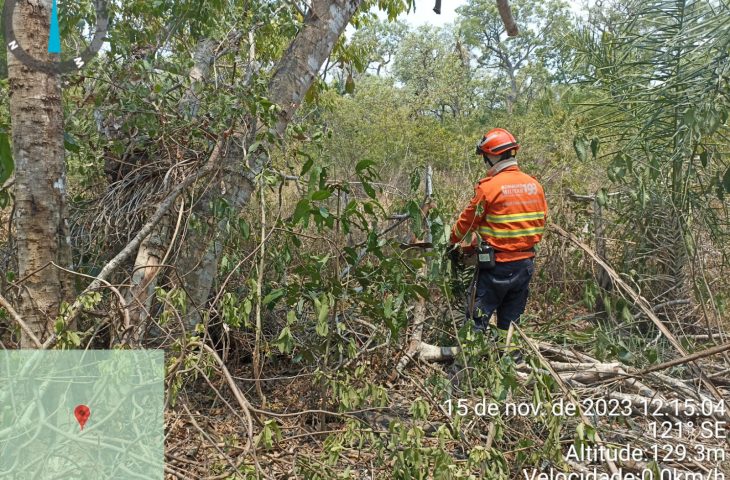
x=496, y=142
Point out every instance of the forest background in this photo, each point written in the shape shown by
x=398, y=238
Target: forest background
x=238, y=180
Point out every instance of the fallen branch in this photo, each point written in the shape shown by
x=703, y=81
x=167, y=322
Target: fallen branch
x=689, y=358
x=644, y=306
x=566, y=391
x=132, y=246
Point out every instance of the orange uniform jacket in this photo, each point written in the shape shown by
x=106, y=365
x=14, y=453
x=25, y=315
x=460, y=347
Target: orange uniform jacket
x=508, y=211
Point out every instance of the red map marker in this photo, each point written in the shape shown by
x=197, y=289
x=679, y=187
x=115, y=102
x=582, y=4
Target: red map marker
x=82, y=414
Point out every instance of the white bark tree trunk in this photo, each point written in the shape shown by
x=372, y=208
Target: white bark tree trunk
x=40, y=175
x=294, y=75
x=153, y=248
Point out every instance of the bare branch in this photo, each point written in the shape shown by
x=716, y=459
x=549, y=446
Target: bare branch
x=132, y=246
x=14, y=315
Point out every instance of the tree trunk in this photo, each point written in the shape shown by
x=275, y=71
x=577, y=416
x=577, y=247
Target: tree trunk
x=294, y=75
x=151, y=252
x=40, y=175
x=513, y=90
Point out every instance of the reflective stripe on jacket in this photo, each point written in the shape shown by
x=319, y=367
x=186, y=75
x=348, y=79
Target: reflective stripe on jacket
x=508, y=211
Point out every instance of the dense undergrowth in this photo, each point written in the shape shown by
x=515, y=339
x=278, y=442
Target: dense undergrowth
x=313, y=304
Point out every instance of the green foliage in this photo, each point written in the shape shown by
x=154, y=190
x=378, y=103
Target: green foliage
x=377, y=123
x=436, y=73
x=270, y=434
x=645, y=129
x=6, y=158
x=660, y=115
x=537, y=54
x=6, y=168
x=379, y=42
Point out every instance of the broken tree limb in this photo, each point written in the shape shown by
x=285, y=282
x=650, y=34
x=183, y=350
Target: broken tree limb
x=415, y=345
x=644, y=306
x=126, y=252
x=689, y=358
x=566, y=391
x=434, y=353
x=509, y=22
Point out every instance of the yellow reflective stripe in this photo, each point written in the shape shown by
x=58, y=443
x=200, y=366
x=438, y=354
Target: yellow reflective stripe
x=511, y=233
x=515, y=217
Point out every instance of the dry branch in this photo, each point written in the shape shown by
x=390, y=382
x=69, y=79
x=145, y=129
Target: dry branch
x=566, y=391
x=132, y=246
x=644, y=306
x=689, y=358
x=24, y=326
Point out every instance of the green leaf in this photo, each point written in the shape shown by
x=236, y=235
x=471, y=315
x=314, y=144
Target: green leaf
x=321, y=195
x=70, y=144
x=350, y=84
x=273, y=296
x=580, y=143
x=618, y=167
x=368, y=189
x=651, y=354
x=388, y=307
x=301, y=210
x=595, y=144
x=415, y=180
x=417, y=216
x=413, y=209
x=307, y=165
x=363, y=165
x=74, y=338
x=323, y=309
x=253, y=147
x=626, y=315
x=6, y=158
x=285, y=342
x=244, y=229
x=269, y=434
x=590, y=432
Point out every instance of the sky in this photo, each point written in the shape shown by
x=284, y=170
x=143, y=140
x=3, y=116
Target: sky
x=424, y=12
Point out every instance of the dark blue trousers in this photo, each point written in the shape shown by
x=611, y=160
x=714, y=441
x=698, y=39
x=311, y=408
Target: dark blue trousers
x=503, y=289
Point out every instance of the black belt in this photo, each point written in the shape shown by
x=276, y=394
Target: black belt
x=529, y=250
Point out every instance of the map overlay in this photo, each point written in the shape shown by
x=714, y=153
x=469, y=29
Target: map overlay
x=40, y=436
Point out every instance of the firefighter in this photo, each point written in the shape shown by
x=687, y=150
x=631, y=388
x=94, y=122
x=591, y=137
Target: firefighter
x=508, y=213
